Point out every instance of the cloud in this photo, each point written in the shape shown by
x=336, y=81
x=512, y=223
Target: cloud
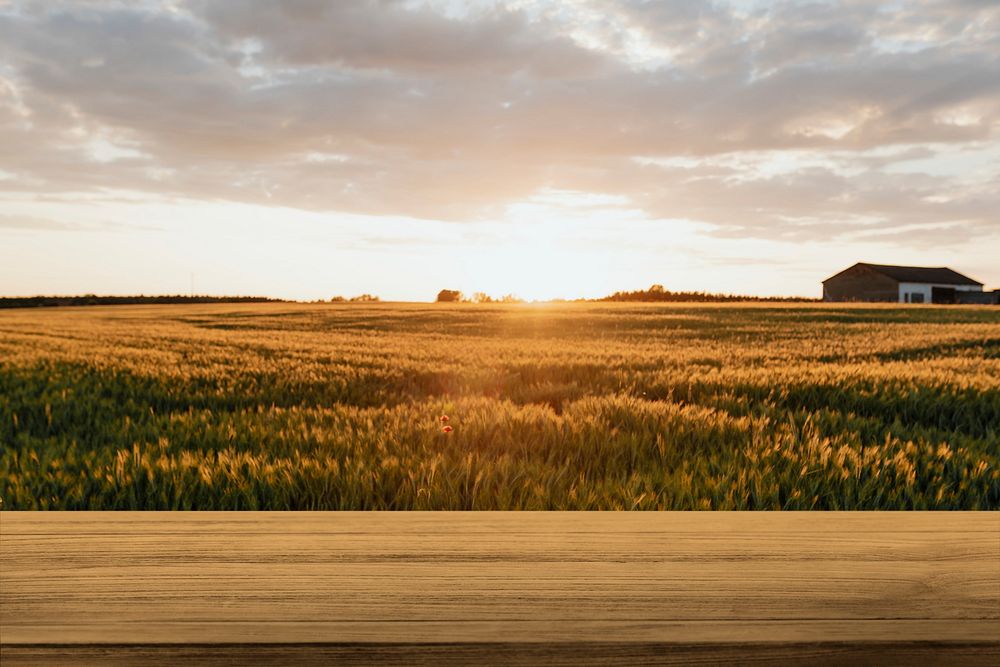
x=40, y=224
x=454, y=113
x=392, y=36
x=34, y=223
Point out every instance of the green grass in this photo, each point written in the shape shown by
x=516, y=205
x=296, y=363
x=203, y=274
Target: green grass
x=575, y=406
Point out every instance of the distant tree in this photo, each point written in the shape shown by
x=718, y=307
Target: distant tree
x=337, y=299
x=449, y=296
x=510, y=298
x=364, y=298
x=481, y=297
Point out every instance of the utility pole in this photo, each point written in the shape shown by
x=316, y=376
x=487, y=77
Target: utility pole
x=192, y=284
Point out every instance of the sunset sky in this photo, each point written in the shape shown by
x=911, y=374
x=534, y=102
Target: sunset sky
x=548, y=149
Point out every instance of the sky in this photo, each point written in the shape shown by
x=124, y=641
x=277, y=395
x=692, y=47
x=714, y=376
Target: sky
x=308, y=149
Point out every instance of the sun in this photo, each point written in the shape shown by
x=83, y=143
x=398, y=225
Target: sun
x=551, y=246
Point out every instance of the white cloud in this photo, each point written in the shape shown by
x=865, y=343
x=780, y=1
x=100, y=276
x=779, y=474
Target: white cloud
x=786, y=121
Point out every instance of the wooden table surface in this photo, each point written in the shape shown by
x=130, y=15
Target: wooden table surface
x=508, y=587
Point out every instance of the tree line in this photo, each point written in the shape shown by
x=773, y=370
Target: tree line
x=95, y=300
x=655, y=293
x=658, y=293
x=361, y=298
x=455, y=296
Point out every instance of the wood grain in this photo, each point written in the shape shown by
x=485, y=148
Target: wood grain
x=555, y=655
x=454, y=588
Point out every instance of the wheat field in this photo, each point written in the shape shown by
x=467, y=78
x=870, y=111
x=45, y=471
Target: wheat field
x=554, y=406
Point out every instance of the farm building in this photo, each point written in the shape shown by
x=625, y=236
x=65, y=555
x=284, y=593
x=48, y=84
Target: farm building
x=903, y=284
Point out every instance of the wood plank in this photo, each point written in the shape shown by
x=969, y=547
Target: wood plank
x=554, y=655
x=666, y=586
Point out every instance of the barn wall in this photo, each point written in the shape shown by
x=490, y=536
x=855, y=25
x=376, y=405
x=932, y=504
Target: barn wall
x=981, y=298
x=926, y=288
x=860, y=283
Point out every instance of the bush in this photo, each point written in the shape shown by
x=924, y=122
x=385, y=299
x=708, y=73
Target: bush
x=449, y=296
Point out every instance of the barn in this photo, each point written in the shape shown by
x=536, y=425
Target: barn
x=903, y=284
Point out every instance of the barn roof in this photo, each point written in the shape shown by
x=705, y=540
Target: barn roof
x=920, y=274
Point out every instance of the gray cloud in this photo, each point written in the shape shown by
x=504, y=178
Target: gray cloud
x=391, y=108
x=389, y=35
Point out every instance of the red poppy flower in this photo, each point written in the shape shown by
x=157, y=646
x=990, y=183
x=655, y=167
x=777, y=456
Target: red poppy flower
x=444, y=418
x=447, y=429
